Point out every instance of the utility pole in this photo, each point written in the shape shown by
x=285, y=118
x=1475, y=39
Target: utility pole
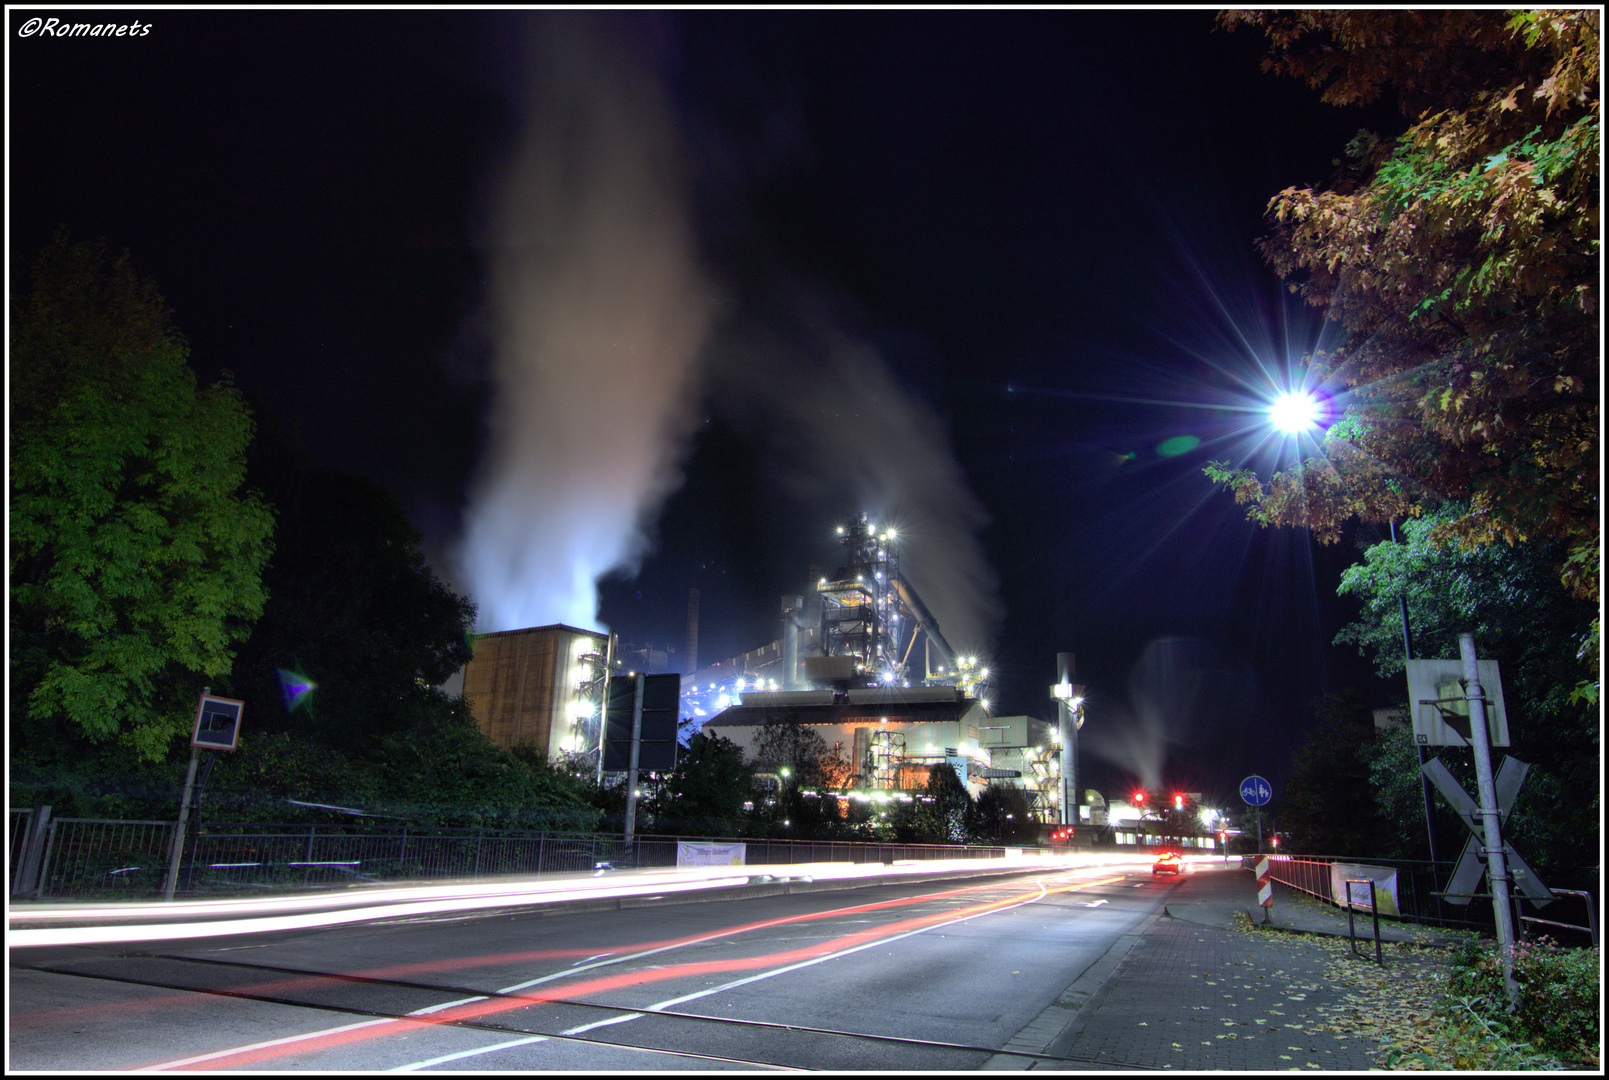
x=1496, y=863
x=636, y=750
x=177, y=854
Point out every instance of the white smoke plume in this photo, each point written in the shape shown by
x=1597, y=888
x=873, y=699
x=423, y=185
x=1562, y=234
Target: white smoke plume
x=599, y=311
x=844, y=437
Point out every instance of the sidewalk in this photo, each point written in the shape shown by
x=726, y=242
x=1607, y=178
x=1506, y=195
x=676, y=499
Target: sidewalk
x=1191, y=989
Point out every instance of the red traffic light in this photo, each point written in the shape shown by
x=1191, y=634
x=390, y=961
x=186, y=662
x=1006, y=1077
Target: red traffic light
x=1139, y=796
x=1276, y=841
x=1178, y=802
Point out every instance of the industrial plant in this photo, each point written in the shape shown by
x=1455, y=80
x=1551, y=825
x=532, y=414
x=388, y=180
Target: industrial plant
x=859, y=660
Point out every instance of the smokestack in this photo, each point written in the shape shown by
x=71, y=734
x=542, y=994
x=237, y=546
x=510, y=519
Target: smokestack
x=692, y=631
x=792, y=609
x=1065, y=667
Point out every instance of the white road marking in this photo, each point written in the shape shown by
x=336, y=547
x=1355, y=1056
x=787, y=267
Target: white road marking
x=468, y=1053
x=258, y=1046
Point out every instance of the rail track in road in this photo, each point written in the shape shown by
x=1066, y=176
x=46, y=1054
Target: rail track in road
x=527, y=1032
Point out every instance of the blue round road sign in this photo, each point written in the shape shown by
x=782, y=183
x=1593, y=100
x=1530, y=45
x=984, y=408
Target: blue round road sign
x=1255, y=791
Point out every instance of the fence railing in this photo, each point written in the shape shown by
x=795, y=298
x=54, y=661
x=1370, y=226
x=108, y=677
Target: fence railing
x=92, y=859
x=1418, y=892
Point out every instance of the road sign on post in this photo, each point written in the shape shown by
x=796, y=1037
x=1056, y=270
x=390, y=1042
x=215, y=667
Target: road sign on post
x=217, y=723
x=1255, y=791
x=661, y=712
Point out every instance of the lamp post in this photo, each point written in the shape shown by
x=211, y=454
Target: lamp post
x=1424, y=779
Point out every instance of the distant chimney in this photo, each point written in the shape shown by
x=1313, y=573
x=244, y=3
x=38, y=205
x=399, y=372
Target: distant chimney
x=692, y=631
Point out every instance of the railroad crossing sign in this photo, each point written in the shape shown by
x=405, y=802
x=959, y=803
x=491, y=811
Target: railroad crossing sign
x=1255, y=791
x=1472, y=863
x=1440, y=709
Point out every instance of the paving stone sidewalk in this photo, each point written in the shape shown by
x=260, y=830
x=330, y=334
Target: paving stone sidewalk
x=1188, y=992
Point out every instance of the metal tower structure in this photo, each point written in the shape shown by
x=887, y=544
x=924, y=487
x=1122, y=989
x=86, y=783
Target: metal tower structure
x=871, y=615
x=860, y=606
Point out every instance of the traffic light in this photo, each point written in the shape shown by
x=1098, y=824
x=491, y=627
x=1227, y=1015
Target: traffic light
x=1178, y=802
x=1276, y=841
x=1139, y=798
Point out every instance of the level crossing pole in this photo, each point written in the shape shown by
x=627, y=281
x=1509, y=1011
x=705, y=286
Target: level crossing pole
x=1496, y=864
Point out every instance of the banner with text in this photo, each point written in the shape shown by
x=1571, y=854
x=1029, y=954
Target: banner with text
x=695, y=854
x=1356, y=894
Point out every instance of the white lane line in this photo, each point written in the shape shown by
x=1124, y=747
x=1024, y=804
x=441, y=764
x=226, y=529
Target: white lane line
x=428, y=1009
x=638, y=1014
x=1043, y=892
x=417, y=1065
x=596, y=1024
x=261, y=1045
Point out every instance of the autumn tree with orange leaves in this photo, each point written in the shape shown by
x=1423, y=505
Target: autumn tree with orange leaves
x=1461, y=259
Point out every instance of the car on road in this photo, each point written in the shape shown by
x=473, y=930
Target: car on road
x=1168, y=862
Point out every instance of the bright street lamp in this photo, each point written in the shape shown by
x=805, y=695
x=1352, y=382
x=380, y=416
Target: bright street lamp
x=1295, y=412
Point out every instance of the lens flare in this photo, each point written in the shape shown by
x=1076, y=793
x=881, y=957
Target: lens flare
x=294, y=687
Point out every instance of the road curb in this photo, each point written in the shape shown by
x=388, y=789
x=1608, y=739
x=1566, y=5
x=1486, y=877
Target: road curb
x=1053, y=1031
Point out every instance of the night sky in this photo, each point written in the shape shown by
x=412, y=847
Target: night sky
x=988, y=275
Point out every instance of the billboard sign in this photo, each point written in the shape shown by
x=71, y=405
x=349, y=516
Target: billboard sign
x=661, y=713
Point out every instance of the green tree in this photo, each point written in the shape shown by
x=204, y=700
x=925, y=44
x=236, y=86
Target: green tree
x=1328, y=807
x=947, y=815
x=1462, y=259
x=1004, y=816
x=1524, y=618
x=355, y=618
x=789, y=744
x=706, y=791
x=136, y=557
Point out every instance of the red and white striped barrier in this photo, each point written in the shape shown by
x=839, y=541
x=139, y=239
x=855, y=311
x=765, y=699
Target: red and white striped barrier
x=1265, y=889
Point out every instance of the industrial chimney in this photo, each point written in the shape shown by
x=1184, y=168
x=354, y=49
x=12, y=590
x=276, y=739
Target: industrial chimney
x=692, y=631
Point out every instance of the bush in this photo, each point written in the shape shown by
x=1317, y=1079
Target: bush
x=1559, y=992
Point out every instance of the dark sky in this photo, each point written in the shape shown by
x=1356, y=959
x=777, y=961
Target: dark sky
x=967, y=270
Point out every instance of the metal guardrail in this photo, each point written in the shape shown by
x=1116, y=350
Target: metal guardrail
x=81, y=858
x=1419, y=890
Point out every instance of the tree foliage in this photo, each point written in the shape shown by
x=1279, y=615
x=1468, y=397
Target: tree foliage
x=804, y=753
x=1461, y=258
x=1328, y=807
x=706, y=791
x=947, y=815
x=135, y=556
x=355, y=614
x=1004, y=817
x=1523, y=617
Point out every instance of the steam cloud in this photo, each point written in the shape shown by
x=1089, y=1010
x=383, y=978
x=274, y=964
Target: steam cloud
x=601, y=319
x=845, y=437
x=600, y=311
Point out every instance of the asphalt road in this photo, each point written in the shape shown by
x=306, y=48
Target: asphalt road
x=919, y=976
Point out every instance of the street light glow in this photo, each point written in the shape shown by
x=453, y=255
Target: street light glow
x=1294, y=412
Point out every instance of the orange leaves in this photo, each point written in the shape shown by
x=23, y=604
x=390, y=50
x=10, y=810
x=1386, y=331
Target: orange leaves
x=1464, y=270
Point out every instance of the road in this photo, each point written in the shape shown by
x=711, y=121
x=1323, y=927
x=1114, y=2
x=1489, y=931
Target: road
x=910, y=976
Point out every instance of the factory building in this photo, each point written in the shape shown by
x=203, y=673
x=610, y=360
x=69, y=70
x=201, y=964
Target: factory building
x=538, y=685
x=891, y=737
x=859, y=659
